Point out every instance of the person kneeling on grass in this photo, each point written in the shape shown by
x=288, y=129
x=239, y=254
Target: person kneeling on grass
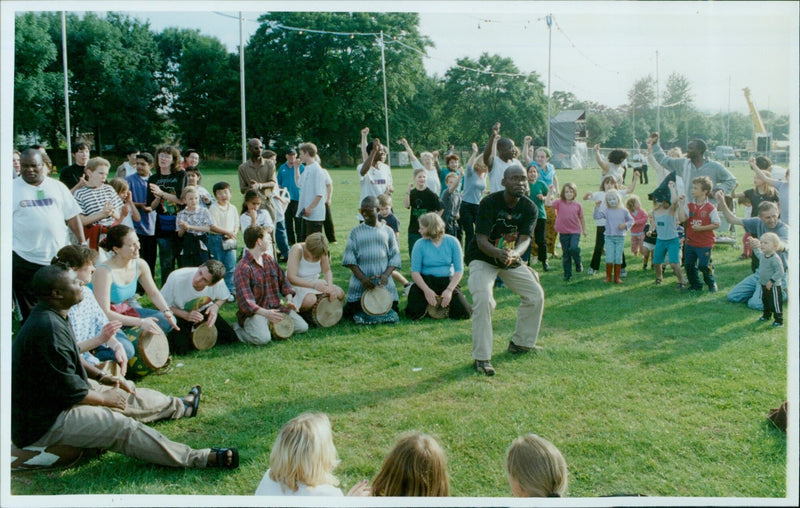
x=437, y=268
x=53, y=401
x=260, y=283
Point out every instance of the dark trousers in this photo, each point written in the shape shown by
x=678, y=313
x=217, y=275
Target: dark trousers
x=570, y=252
x=773, y=304
x=21, y=276
x=310, y=226
x=468, y=214
x=194, y=250
x=694, y=258
x=539, y=238
x=643, y=174
x=294, y=225
x=417, y=305
x=180, y=341
x=330, y=233
x=149, y=251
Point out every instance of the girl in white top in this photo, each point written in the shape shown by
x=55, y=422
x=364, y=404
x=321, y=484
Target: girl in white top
x=252, y=213
x=427, y=164
x=307, y=260
x=614, y=165
x=303, y=459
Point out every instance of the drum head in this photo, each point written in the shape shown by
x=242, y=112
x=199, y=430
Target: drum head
x=327, y=312
x=204, y=337
x=437, y=311
x=153, y=349
x=283, y=329
x=376, y=301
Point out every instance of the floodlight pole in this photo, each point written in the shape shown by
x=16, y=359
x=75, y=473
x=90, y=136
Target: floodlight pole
x=658, y=99
x=66, y=86
x=385, y=98
x=549, y=19
x=241, y=87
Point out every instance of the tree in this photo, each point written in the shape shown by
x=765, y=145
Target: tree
x=200, y=89
x=678, y=91
x=477, y=100
x=303, y=85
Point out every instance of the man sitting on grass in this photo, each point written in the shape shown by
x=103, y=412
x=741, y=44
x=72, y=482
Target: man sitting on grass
x=53, y=402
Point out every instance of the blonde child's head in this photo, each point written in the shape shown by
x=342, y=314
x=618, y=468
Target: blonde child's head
x=416, y=466
x=120, y=186
x=613, y=199
x=385, y=204
x=189, y=190
x=571, y=187
x=633, y=203
x=304, y=453
x=317, y=245
x=450, y=179
x=770, y=243
x=536, y=468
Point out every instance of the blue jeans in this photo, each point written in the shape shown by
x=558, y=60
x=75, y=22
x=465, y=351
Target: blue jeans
x=280, y=239
x=749, y=291
x=614, y=247
x=694, y=258
x=226, y=257
x=570, y=251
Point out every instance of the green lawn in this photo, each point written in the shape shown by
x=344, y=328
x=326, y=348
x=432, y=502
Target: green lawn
x=644, y=389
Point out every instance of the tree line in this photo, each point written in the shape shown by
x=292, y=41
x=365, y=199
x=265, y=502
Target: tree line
x=132, y=86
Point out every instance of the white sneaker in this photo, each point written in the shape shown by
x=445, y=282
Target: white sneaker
x=623, y=273
x=590, y=271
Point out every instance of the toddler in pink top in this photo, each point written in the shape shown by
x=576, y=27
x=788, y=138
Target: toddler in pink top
x=640, y=217
x=569, y=226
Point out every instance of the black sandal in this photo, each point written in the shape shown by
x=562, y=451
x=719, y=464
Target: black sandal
x=195, y=404
x=222, y=458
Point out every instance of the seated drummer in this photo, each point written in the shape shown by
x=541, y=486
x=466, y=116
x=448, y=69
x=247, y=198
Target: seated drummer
x=53, y=401
x=437, y=268
x=372, y=255
x=195, y=296
x=260, y=283
x=307, y=261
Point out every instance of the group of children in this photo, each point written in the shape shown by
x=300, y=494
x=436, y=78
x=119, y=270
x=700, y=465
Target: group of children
x=303, y=459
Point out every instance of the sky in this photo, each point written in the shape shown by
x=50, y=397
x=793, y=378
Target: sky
x=597, y=51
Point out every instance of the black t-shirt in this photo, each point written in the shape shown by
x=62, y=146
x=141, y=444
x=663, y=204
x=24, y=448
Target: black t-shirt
x=47, y=376
x=502, y=225
x=167, y=212
x=422, y=202
x=391, y=221
x=70, y=175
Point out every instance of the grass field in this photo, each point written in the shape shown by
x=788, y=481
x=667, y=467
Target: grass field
x=644, y=389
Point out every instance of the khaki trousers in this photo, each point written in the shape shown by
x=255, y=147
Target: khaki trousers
x=529, y=315
x=84, y=426
x=256, y=328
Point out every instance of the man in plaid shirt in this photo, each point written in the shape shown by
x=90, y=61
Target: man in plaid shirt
x=259, y=284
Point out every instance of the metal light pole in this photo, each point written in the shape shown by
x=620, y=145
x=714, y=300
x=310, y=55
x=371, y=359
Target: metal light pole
x=241, y=86
x=658, y=99
x=549, y=19
x=385, y=98
x=66, y=86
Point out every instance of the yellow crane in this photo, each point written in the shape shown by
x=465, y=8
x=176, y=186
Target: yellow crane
x=762, y=140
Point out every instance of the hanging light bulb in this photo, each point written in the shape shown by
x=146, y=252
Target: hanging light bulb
x=300, y=32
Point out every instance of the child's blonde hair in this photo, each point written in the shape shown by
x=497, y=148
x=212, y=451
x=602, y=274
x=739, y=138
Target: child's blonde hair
x=450, y=177
x=96, y=162
x=384, y=200
x=189, y=189
x=631, y=203
x=613, y=192
x=537, y=467
x=773, y=238
x=317, y=245
x=569, y=185
x=416, y=466
x=304, y=453
x=119, y=185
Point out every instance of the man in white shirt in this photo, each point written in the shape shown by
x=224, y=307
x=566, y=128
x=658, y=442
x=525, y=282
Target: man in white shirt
x=195, y=296
x=313, y=189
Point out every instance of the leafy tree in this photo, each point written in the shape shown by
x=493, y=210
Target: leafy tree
x=325, y=88
x=200, y=89
x=477, y=100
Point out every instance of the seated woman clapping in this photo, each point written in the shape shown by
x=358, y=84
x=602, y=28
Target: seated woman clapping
x=436, y=268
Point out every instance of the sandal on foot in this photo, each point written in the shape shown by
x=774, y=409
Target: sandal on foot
x=223, y=460
x=195, y=403
x=658, y=281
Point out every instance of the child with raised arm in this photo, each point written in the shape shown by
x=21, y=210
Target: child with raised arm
x=569, y=226
x=128, y=214
x=701, y=221
x=608, y=183
x=618, y=221
x=427, y=164
x=538, y=190
x=667, y=245
x=451, y=201
x=194, y=223
x=388, y=218
x=770, y=274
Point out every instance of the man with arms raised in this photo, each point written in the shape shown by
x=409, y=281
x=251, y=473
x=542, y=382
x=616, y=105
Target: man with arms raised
x=502, y=235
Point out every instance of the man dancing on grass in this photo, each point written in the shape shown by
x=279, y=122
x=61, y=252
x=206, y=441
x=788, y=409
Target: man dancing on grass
x=502, y=235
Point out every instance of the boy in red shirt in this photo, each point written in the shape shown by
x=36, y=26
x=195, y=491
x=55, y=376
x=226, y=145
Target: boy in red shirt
x=701, y=221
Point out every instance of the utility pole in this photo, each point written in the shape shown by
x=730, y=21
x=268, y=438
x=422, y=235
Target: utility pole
x=549, y=19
